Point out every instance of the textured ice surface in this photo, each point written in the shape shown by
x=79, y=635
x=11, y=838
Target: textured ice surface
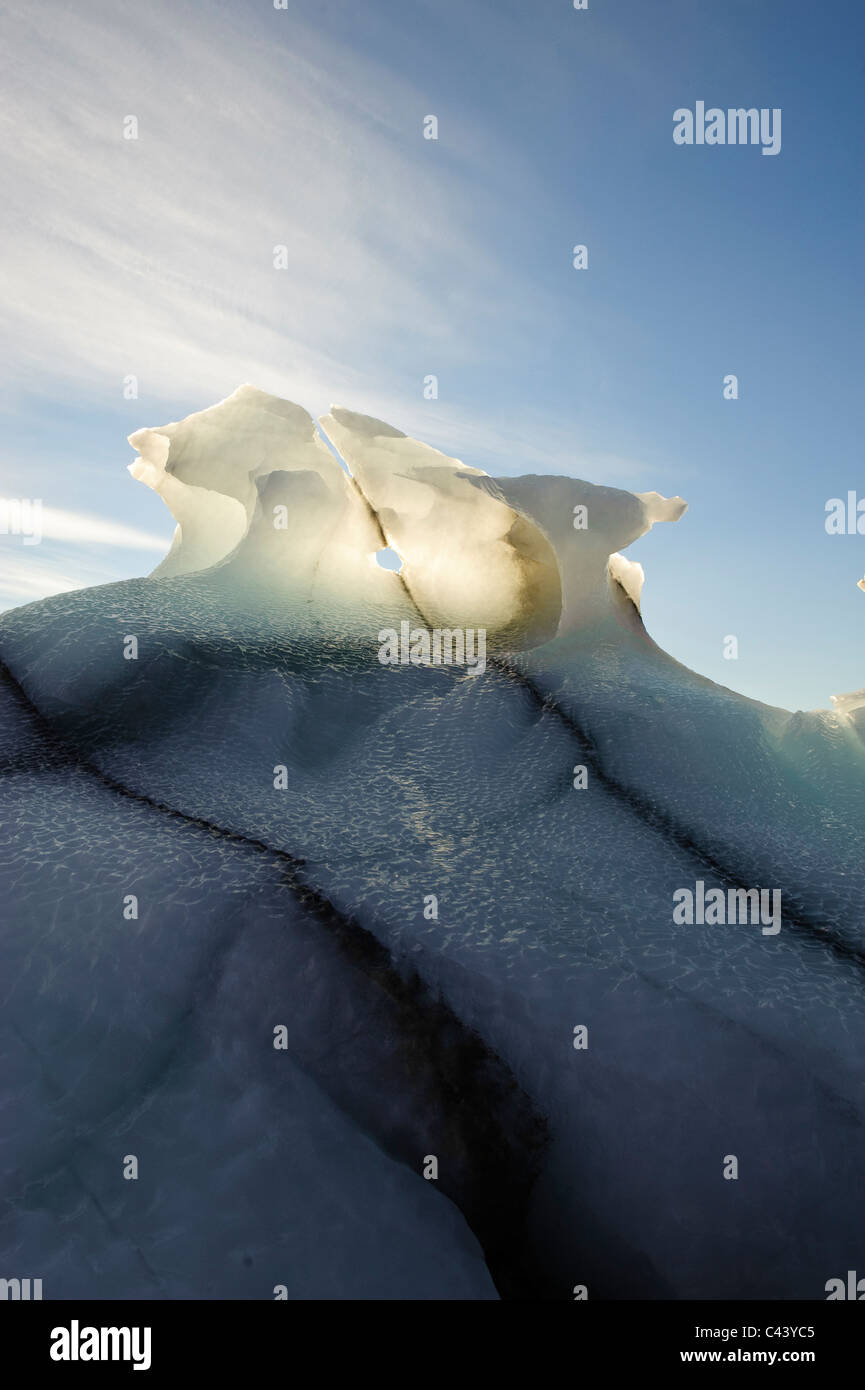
x=304, y=905
x=154, y=1038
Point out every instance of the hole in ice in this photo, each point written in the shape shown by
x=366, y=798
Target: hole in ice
x=388, y=559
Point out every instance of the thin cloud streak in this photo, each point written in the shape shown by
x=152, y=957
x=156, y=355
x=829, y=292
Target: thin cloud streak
x=110, y=273
x=81, y=528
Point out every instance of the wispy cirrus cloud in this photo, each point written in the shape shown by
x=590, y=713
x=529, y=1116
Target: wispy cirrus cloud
x=154, y=256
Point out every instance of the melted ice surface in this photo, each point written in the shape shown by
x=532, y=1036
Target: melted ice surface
x=257, y=649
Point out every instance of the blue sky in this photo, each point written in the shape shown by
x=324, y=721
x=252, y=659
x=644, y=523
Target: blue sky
x=303, y=127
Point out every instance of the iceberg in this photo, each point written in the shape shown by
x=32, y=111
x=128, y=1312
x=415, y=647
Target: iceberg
x=504, y=1068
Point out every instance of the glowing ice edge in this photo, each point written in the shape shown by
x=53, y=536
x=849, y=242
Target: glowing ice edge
x=503, y=554
x=499, y=553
